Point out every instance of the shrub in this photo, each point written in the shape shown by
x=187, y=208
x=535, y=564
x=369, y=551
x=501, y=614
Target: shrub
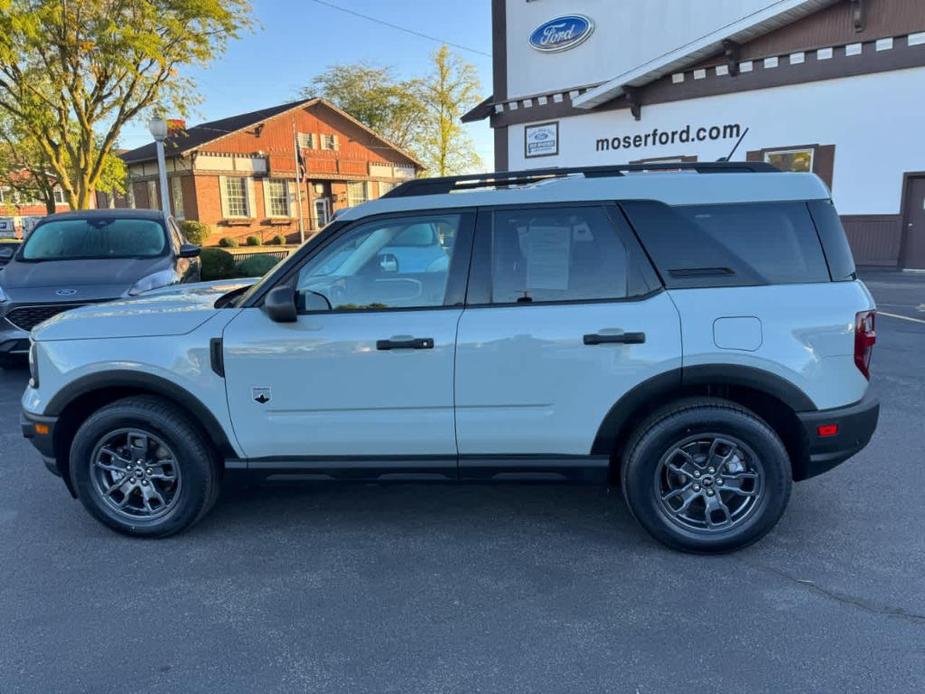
x=252, y=241
x=257, y=265
x=278, y=240
x=216, y=264
x=195, y=232
x=228, y=242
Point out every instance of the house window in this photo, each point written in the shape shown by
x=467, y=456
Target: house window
x=277, y=198
x=791, y=159
x=153, y=202
x=385, y=187
x=307, y=140
x=236, y=196
x=330, y=142
x=176, y=192
x=59, y=196
x=357, y=193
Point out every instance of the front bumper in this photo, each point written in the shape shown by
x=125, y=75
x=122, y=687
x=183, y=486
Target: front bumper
x=855, y=427
x=41, y=433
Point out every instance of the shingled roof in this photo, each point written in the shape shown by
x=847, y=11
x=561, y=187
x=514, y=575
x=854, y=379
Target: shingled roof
x=193, y=138
x=186, y=141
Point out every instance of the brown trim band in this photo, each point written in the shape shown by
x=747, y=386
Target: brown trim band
x=870, y=61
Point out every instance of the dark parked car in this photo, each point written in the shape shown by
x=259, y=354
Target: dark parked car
x=79, y=258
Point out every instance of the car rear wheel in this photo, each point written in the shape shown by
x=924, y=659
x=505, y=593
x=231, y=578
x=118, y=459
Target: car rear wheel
x=707, y=476
x=142, y=469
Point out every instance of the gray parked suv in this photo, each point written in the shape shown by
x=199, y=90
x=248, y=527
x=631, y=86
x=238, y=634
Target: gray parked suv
x=79, y=258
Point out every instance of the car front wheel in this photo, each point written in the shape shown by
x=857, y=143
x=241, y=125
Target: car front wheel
x=707, y=476
x=142, y=469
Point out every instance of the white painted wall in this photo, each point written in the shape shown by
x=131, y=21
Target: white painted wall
x=874, y=121
x=627, y=34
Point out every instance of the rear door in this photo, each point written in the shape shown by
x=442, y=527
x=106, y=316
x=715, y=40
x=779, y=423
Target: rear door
x=564, y=315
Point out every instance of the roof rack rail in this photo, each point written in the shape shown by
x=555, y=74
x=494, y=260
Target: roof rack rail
x=508, y=179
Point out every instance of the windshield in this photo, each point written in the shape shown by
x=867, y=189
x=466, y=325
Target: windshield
x=74, y=239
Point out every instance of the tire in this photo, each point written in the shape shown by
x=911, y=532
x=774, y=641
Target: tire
x=13, y=361
x=666, y=476
x=180, y=473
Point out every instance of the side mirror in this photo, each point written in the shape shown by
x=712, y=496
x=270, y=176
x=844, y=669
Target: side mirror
x=388, y=262
x=188, y=250
x=279, y=305
x=6, y=253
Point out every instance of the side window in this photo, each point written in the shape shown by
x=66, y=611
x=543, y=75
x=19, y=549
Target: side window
x=392, y=263
x=556, y=254
x=730, y=245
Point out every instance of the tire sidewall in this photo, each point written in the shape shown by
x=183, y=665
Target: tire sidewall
x=641, y=492
x=196, y=472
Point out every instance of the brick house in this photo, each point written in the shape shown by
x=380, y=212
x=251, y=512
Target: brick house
x=238, y=174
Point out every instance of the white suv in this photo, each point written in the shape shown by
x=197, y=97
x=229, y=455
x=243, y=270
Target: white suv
x=696, y=335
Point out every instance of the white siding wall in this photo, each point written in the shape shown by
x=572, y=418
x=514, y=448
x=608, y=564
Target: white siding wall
x=875, y=122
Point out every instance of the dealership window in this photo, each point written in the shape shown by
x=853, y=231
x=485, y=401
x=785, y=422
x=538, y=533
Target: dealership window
x=176, y=192
x=235, y=196
x=154, y=202
x=681, y=159
x=330, y=142
x=357, y=193
x=277, y=193
x=791, y=159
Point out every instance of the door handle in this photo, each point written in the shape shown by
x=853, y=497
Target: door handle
x=411, y=343
x=622, y=339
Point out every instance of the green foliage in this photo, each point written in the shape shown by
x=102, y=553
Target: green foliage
x=228, y=242
x=252, y=241
x=257, y=265
x=72, y=74
x=278, y=240
x=448, y=93
x=373, y=96
x=216, y=264
x=195, y=232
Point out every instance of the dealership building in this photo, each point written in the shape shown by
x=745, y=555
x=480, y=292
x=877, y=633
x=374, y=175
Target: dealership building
x=836, y=87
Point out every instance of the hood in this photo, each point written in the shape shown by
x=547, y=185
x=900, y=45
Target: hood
x=175, y=312
x=87, y=276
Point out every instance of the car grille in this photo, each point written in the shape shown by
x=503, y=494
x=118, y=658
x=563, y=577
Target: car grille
x=27, y=317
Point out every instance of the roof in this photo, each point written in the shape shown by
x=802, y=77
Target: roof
x=774, y=16
x=194, y=138
x=113, y=212
x=672, y=188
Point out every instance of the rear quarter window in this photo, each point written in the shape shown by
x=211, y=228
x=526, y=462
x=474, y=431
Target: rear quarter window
x=730, y=245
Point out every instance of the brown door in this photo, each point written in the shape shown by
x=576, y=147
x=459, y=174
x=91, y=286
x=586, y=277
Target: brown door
x=914, y=218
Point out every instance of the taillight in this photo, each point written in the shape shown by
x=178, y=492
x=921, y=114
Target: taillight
x=865, y=337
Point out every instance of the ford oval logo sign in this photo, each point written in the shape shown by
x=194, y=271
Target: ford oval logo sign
x=561, y=33
x=66, y=292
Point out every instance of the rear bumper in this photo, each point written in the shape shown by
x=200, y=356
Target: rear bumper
x=856, y=425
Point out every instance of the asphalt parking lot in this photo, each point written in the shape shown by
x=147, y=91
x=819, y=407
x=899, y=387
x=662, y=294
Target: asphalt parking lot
x=447, y=588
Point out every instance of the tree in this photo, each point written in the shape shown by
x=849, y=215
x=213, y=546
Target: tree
x=74, y=72
x=448, y=93
x=372, y=95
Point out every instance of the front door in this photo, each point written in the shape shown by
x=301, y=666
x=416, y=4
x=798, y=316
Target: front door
x=914, y=219
x=564, y=318
x=366, y=371
x=322, y=212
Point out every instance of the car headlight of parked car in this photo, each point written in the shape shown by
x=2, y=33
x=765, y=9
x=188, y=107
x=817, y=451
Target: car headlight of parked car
x=156, y=280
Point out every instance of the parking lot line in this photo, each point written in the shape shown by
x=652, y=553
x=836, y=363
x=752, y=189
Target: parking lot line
x=896, y=315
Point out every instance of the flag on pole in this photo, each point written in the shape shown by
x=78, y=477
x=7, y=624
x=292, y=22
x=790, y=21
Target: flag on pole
x=300, y=162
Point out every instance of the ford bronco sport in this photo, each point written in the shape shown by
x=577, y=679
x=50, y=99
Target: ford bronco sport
x=694, y=333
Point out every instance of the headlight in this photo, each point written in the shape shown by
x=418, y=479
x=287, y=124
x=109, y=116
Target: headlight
x=163, y=278
x=33, y=364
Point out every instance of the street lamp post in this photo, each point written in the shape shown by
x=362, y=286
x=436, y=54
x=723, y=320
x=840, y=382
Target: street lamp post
x=158, y=128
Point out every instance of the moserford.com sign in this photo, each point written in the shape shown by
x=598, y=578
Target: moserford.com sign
x=657, y=137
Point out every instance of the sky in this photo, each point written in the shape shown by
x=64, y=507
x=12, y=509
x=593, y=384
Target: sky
x=296, y=39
